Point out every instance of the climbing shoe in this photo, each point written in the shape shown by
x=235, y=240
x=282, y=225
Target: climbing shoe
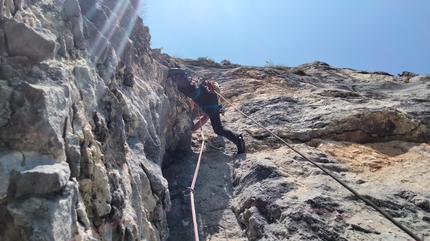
x=240, y=143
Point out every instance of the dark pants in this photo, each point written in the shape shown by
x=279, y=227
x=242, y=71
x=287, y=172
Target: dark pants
x=217, y=126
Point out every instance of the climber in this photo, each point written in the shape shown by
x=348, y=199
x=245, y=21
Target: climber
x=204, y=96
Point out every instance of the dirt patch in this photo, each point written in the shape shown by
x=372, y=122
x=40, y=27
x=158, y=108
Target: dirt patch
x=372, y=157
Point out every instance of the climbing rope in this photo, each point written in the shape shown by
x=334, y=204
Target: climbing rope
x=368, y=202
x=193, y=183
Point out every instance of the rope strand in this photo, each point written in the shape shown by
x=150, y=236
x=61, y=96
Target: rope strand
x=193, y=183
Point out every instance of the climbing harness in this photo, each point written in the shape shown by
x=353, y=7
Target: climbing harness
x=199, y=90
x=368, y=202
x=215, y=106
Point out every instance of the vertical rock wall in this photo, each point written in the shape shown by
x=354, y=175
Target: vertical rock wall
x=86, y=115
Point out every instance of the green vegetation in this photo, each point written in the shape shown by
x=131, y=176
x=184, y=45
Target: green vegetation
x=269, y=64
x=297, y=71
x=225, y=62
x=141, y=8
x=205, y=61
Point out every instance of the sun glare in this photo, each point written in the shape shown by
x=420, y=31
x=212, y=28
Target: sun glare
x=115, y=30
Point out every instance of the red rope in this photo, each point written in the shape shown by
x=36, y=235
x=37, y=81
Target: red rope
x=193, y=183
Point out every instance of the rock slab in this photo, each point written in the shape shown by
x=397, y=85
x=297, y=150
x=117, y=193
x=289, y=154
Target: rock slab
x=35, y=44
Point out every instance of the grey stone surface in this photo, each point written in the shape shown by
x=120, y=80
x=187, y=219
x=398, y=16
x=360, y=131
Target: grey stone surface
x=8, y=162
x=42, y=179
x=45, y=218
x=368, y=129
x=88, y=130
x=73, y=154
x=72, y=10
x=35, y=44
x=31, y=173
x=2, y=43
x=95, y=114
x=5, y=95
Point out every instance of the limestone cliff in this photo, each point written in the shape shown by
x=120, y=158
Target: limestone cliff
x=86, y=116
x=94, y=140
x=368, y=129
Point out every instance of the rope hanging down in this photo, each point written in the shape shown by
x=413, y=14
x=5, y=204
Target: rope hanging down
x=193, y=183
x=368, y=202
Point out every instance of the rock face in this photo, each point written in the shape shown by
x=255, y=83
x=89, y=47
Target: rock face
x=368, y=129
x=94, y=139
x=85, y=120
x=35, y=44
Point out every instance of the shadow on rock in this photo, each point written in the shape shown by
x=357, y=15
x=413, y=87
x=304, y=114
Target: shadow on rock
x=212, y=193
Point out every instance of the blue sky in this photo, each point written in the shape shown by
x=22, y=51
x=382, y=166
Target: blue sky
x=373, y=35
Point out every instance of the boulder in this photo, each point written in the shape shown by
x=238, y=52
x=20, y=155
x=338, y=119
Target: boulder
x=35, y=44
x=42, y=179
x=2, y=42
x=52, y=218
x=8, y=162
x=5, y=95
x=31, y=173
x=73, y=154
x=72, y=10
